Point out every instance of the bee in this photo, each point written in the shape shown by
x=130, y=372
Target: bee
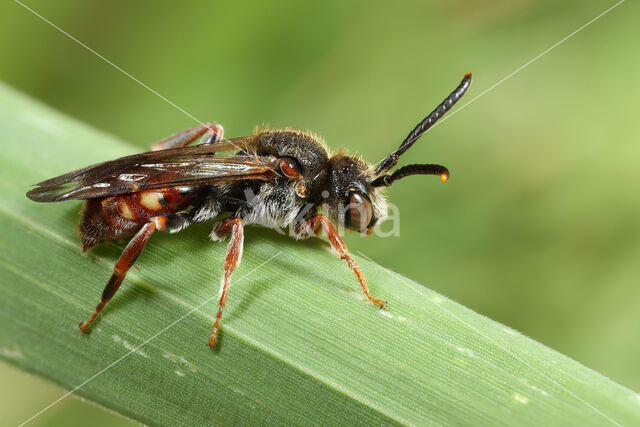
x=276, y=178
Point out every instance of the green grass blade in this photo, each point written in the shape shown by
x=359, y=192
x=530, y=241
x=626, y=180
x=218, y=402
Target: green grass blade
x=299, y=344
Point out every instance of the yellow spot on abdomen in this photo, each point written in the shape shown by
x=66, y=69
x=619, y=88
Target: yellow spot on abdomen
x=125, y=210
x=151, y=200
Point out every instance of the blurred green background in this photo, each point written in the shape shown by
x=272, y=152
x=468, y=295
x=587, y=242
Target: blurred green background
x=539, y=226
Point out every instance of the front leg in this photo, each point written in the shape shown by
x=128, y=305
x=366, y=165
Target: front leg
x=214, y=132
x=320, y=222
x=231, y=261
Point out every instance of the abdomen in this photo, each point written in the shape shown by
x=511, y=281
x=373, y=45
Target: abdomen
x=119, y=217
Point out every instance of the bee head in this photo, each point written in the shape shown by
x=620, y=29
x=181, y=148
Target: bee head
x=351, y=200
x=354, y=198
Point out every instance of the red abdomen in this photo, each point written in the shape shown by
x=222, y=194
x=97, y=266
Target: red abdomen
x=117, y=217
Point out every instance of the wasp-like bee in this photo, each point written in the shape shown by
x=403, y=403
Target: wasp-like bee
x=276, y=178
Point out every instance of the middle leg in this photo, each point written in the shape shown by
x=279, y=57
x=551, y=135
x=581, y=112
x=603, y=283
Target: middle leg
x=231, y=261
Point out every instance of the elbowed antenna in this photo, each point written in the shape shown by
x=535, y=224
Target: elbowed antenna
x=391, y=160
x=387, y=180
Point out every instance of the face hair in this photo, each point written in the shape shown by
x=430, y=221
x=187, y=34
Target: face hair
x=391, y=160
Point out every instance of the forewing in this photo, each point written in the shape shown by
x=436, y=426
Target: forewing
x=187, y=166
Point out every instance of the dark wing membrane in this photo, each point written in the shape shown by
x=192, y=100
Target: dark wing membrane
x=188, y=166
x=94, y=172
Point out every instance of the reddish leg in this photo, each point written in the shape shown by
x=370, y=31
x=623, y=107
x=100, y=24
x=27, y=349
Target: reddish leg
x=231, y=261
x=128, y=257
x=320, y=222
x=186, y=137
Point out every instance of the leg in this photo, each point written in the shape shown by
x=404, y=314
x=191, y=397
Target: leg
x=232, y=260
x=320, y=222
x=186, y=137
x=128, y=257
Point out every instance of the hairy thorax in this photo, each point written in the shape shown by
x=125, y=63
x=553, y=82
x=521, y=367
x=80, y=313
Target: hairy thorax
x=272, y=206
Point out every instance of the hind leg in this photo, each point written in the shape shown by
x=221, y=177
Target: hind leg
x=126, y=260
x=214, y=132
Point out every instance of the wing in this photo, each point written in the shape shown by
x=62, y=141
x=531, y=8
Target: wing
x=186, y=166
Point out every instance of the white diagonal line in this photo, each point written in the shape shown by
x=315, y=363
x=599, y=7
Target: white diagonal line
x=143, y=343
x=498, y=343
x=199, y=121
x=108, y=62
x=165, y=99
x=522, y=67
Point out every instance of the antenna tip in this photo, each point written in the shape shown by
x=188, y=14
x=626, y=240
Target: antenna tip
x=467, y=76
x=444, y=176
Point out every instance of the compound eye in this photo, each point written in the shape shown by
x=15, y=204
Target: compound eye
x=290, y=168
x=359, y=212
